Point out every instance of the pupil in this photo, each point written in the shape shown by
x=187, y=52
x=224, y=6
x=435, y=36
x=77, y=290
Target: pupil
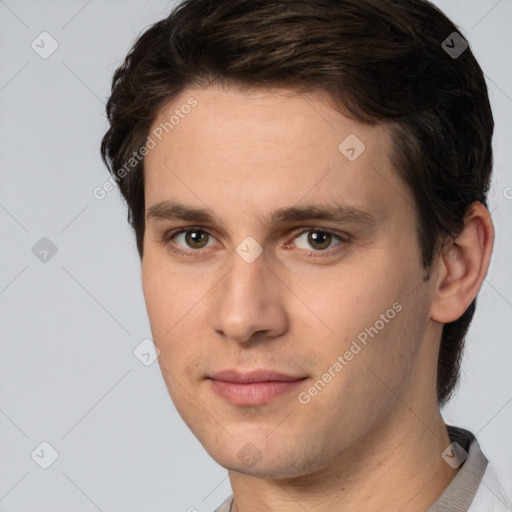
x=319, y=240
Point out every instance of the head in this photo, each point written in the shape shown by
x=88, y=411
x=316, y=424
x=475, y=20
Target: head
x=236, y=113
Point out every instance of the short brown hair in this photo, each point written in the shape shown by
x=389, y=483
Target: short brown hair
x=382, y=61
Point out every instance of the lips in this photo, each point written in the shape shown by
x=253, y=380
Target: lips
x=254, y=387
x=253, y=376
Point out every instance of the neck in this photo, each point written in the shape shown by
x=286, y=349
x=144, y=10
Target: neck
x=397, y=467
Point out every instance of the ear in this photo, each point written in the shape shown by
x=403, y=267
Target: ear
x=463, y=264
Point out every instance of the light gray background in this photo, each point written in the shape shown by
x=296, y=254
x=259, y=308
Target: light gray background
x=68, y=374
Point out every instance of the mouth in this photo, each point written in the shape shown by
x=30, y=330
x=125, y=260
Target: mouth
x=251, y=388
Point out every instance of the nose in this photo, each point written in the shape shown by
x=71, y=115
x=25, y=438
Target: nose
x=249, y=304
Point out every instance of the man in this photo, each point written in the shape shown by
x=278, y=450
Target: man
x=307, y=184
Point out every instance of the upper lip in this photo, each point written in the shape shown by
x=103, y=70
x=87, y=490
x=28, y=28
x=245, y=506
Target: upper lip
x=253, y=376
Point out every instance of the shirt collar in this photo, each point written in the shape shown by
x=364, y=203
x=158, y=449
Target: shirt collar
x=459, y=494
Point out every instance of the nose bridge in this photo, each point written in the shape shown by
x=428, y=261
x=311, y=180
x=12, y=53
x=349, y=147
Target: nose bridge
x=244, y=279
x=249, y=300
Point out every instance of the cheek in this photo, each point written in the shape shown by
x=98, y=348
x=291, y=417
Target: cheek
x=176, y=312
x=369, y=315
x=156, y=298
x=349, y=301
x=167, y=308
x=167, y=296
x=378, y=362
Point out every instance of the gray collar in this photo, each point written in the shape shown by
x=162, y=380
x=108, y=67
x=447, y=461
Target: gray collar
x=457, y=497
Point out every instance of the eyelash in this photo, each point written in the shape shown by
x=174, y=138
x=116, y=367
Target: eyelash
x=195, y=253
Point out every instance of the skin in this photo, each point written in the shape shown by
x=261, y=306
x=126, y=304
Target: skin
x=372, y=438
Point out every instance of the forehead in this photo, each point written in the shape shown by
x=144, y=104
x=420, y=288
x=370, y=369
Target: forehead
x=258, y=149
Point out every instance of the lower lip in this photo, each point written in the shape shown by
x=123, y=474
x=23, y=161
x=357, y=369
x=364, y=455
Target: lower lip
x=253, y=393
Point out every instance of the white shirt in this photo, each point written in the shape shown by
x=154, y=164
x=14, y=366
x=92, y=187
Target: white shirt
x=490, y=496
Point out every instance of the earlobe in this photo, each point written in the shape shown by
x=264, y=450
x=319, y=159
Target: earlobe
x=463, y=264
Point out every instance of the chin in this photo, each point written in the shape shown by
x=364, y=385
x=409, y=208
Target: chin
x=265, y=463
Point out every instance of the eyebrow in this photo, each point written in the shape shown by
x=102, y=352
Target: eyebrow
x=334, y=212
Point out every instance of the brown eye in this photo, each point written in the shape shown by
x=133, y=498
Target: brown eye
x=196, y=239
x=190, y=239
x=319, y=240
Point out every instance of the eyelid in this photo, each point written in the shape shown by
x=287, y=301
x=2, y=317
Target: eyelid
x=177, y=231
x=341, y=236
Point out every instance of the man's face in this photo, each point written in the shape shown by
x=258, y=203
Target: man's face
x=336, y=301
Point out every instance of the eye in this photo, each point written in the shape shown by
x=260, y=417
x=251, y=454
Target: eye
x=192, y=239
x=319, y=240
